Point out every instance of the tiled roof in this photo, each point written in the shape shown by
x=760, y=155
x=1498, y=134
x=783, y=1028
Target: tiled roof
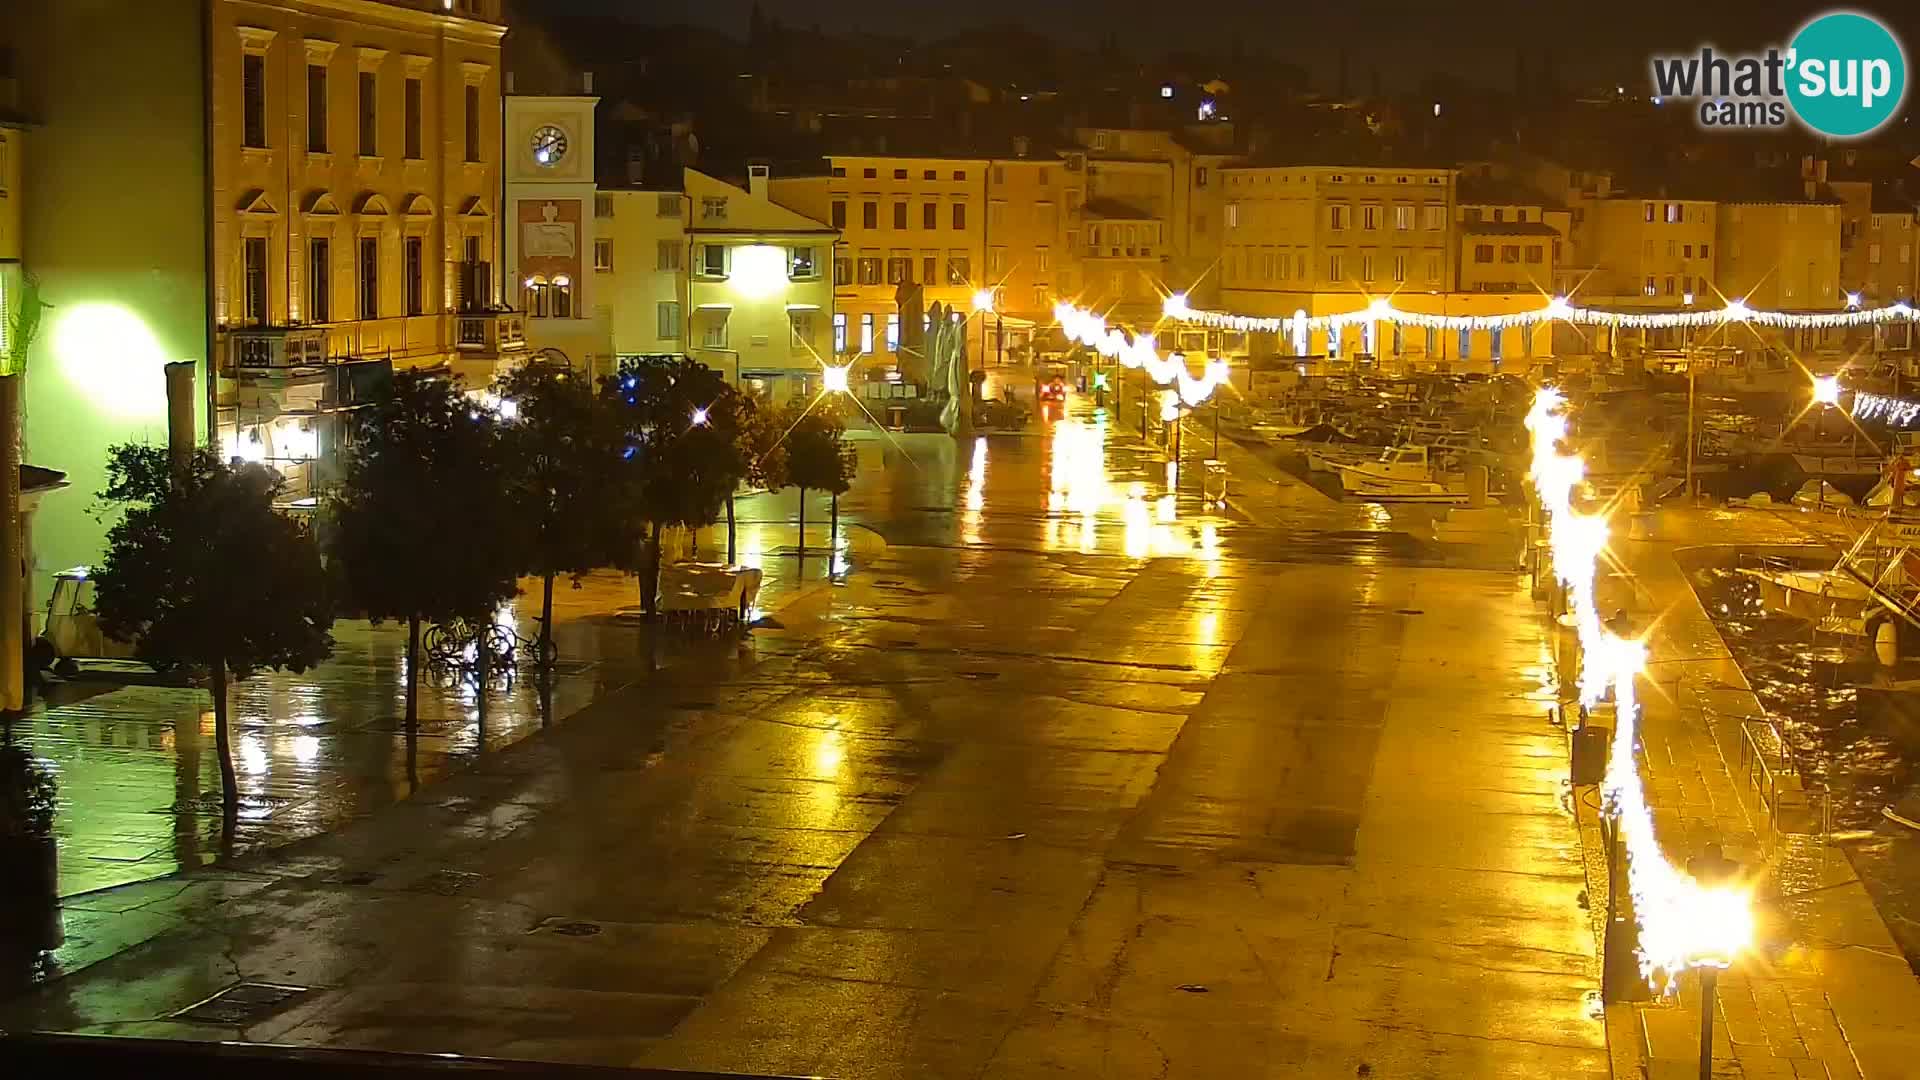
x=1509, y=228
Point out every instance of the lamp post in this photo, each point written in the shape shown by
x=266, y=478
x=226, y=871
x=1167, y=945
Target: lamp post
x=833, y=381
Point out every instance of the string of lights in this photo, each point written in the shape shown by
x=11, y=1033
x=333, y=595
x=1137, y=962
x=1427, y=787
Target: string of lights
x=1140, y=350
x=1684, y=924
x=1382, y=310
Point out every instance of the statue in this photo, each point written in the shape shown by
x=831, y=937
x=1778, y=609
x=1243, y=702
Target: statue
x=957, y=417
x=934, y=344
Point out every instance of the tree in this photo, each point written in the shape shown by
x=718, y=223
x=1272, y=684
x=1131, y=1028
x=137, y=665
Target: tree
x=203, y=572
x=424, y=527
x=758, y=434
x=680, y=454
x=818, y=457
x=559, y=448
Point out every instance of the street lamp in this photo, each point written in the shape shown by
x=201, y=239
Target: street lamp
x=1826, y=390
x=983, y=304
x=833, y=380
x=699, y=418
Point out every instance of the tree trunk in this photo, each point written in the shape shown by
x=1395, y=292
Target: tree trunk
x=229, y=783
x=803, y=536
x=413, y=673
x=545, y=644
x=833, y=536
x=731, y=558
x=650, y=572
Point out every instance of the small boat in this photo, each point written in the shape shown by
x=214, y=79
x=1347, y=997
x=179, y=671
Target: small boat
x=1399, y=474
x=1832, y=599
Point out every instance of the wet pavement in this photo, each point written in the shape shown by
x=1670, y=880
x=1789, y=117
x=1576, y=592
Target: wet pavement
x=139, y=782
x=1074, y=776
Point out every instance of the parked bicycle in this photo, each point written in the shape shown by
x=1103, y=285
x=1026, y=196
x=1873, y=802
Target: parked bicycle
x=453, y=649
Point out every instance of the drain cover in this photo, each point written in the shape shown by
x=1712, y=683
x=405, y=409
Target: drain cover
x=241, y=1004
x=577, y=929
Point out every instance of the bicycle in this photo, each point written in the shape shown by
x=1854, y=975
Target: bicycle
x=453, y=648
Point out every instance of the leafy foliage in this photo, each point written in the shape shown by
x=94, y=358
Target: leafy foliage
x=681, y=445
x=761, y=446
x=27, y=795
x=425, y=526
x=818, y=457
x=680, y=456
x=203, y=571
x=559, y=451
x=424, y=522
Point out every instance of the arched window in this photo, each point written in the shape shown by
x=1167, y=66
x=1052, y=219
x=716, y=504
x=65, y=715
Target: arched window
x=535, y=297
x=560, y=302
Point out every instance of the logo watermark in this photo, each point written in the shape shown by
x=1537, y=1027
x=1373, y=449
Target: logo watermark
x=1844, y=75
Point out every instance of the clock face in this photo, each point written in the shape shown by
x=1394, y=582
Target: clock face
x=549, y=146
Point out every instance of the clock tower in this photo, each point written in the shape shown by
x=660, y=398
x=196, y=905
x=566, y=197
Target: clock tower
x=551, y=243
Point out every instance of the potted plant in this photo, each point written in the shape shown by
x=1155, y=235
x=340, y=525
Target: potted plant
x=29, y=856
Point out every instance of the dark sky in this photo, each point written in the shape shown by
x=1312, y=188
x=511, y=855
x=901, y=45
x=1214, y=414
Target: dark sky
x=1403, y=38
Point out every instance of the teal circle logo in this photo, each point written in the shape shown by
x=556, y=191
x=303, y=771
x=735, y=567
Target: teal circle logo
x=1846, y=74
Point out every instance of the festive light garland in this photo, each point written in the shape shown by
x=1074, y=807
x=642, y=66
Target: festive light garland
x=1139, y=350
x=1382, y=310
x=1683, y=923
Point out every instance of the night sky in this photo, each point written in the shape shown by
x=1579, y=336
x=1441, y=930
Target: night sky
x=1405, y=40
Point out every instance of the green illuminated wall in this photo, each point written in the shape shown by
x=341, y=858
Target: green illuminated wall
x=114, y=224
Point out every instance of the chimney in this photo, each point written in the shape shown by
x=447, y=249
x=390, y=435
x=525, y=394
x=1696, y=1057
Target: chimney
x=757, y=180
x=586, y=83
x=506, y=83
x=1020, y=145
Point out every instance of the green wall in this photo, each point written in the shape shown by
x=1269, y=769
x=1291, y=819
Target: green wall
x=115, y=226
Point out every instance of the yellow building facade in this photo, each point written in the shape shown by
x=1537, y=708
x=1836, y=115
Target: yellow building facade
x=760, y=294
x=355, y=175
x=642, y=277
x=355, y=169
x=901, y=221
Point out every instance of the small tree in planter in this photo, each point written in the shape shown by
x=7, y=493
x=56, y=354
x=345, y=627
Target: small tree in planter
x=680, y=459
x=758, y=431
x=424, y=524
x=203, y=573
x=29, y=856
x=818, y=457
x=559, y=449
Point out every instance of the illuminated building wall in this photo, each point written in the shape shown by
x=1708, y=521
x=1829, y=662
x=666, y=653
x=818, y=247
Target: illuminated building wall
x=361, y=144
x=644, y=287
x=760, y=289
x=901, y=219
x=114, y=224
x=1653, y=253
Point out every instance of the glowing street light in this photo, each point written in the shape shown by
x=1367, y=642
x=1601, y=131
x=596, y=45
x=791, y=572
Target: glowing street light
x=983, y=300
x=699, y=418
x=1826, y=390
x=834, y=379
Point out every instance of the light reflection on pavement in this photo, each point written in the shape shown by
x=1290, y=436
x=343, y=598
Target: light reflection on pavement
x=989, y=808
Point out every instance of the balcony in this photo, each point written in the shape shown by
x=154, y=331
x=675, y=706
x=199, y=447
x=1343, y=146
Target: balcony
x=490, y=334
x=275, y=348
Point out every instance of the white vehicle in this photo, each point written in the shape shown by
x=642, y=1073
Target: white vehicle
x=73, y=630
